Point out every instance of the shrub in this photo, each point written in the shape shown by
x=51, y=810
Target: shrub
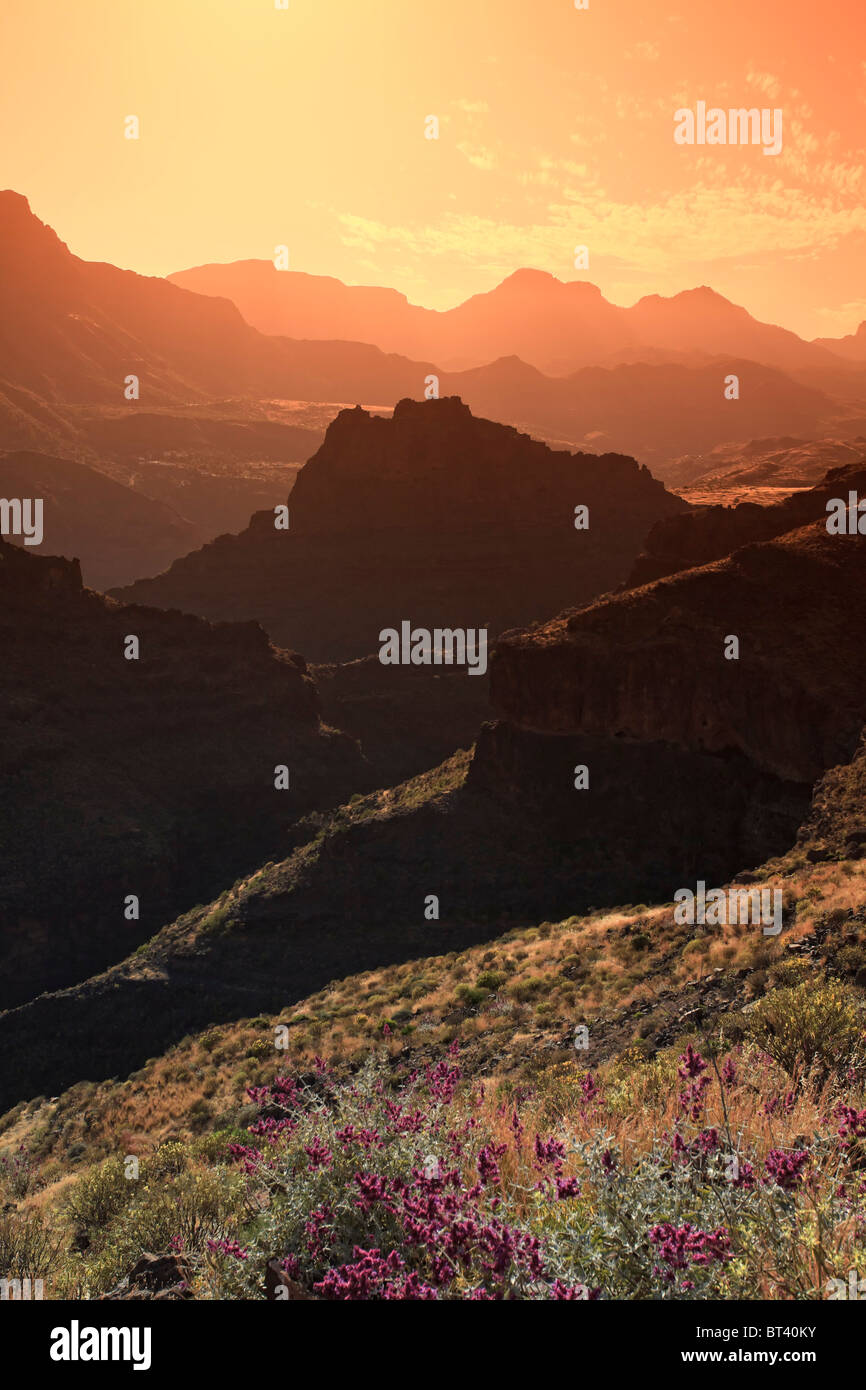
x=18, y=1173
x=97, y=1197
x=524, y=989
x=491, y=979
x=28, y=1249
x=471, y=995
x=805, y=1026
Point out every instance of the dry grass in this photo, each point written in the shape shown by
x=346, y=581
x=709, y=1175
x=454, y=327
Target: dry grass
x=553, y=977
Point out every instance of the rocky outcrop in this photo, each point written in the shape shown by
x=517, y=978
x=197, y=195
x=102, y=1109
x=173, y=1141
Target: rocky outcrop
x=160, y=1277
x=682, y=542
x=432, y=516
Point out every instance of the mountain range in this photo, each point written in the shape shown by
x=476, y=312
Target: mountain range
x=556, y=326
x=647, y=380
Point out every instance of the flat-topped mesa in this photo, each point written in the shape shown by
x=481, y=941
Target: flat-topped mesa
x=649, y=664
x=430, y=515
x=681, y=542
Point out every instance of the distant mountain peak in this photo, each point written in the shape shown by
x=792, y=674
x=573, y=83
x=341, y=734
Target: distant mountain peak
x=22, y=235
x=530, y=279
x=703, y=295
x=9, y=198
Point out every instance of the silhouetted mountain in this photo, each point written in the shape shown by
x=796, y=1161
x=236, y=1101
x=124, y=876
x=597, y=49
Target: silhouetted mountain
x=152, y=777
x=432, y=516
x=702, y=321
x=554, y=325
x=852, y=347
x=73, y=330
x=653, y=412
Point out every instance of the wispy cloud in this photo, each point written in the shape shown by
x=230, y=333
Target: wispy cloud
x=477, y=155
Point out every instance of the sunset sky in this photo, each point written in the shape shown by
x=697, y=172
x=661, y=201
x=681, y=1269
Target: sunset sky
x=306, y=127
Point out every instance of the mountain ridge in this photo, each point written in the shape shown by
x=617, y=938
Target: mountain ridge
x=480, y=328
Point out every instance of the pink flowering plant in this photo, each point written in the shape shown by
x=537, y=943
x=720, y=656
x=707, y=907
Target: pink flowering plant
x=431, y=1190
x=365, y=1193
x=698, y=1215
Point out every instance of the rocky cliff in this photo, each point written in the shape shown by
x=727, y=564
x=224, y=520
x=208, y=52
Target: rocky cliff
x=649, y=663
x=152, y=777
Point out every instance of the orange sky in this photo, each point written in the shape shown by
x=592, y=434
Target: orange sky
x=306, y=127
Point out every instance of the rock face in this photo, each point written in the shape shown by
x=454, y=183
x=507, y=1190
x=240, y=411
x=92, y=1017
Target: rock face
x=152, y=777
x=654, y=815
x=706, y=534
x=432, y=516
x=649, y=663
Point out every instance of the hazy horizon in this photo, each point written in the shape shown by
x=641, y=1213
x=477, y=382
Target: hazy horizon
x=555, y=130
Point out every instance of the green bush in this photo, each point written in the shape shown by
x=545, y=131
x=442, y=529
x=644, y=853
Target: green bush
x=526, y=988
x=805, y=1026
x=471, y=995
x=491, y=979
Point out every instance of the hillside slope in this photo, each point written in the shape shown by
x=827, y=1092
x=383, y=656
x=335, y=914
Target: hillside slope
x=719, y=761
